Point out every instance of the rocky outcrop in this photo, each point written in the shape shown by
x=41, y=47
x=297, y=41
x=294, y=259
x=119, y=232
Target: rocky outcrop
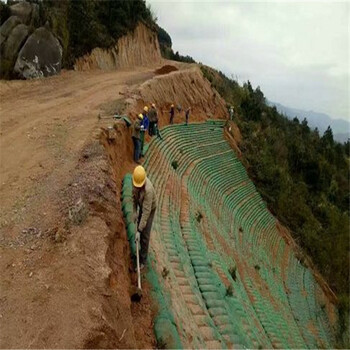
x=14, y=42
x=12, y=36
x=40, y=56
x=7, y=27
x=23, y=11
x=24, y=56
x=140, y=48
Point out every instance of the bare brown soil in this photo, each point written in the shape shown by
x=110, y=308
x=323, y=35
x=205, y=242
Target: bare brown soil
x=64, y=256
x=65, y=276
x=165, y=69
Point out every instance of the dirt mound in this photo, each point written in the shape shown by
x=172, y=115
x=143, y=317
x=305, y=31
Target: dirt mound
x=184, y=88
x=165, y=70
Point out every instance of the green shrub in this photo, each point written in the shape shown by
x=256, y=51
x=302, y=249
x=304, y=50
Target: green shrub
x=174, y=164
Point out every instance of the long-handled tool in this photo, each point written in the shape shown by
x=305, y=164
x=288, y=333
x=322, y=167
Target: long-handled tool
x=137, y=292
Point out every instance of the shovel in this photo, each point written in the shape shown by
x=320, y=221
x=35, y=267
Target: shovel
x=137, y=292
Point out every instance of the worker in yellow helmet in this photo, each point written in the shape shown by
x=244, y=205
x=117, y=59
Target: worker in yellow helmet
x=153, y=119
x=144, y=204
x=136, y=138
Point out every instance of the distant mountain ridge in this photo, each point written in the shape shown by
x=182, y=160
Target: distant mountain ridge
x=340, y=127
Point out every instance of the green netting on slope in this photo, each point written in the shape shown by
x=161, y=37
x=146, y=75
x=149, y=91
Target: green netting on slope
x=263, y=308
x=164, y=323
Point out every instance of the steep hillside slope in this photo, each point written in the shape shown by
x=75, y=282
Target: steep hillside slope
x=64, y=252
x=138, y=48
x=232, y=278
x=184, y=88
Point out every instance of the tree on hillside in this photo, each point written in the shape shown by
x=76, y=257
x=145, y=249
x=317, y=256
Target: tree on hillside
x=304, y=178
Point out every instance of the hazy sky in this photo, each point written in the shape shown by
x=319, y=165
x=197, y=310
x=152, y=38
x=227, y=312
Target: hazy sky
x=298, y=52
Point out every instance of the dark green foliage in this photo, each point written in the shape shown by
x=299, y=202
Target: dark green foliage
x=229, y=89
x=166, y=50
x=303, y=177
x=257, y=267
x=174, y=164
x=94, y=23
x=82, y=25
x=5, y=12
x=164, y=38
x=177, y=57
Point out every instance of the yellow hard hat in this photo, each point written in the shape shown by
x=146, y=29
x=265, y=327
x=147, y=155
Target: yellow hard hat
x=145, y=109
x=140, y=116
x=172, y=105
x=139, y=176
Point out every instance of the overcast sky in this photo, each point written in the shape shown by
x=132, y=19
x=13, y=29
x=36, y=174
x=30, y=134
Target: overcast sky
x=298, y=52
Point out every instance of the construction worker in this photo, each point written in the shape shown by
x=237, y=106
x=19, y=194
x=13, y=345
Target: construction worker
x=187, y=115
x=136, y=138
x=172, y=113
x=144, y=127
x=231, y=112
x=153, y=119
x=145, y=121
x=153, y=122
x=144, y=205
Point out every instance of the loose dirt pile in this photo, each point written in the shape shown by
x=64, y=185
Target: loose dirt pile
x=165, y=70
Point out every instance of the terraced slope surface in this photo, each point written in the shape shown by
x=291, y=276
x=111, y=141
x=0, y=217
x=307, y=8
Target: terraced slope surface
x=231, y=279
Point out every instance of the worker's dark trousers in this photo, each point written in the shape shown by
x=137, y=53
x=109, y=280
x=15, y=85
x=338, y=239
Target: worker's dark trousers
x=142, y=142
x=145, y=236
x=151, y=128
x=171, y=119
x=156, y=131
x=137, y=149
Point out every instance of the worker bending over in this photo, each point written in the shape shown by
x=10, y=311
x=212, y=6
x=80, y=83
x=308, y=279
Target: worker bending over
x=145, y=203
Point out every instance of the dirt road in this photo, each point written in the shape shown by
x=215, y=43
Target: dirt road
x=58, y=226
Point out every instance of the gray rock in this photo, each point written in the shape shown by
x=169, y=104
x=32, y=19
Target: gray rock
x=22, y=10
x=14, y=42
x=2, y=39
x=8, y=25
x=35, y=17
x=40, y=56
